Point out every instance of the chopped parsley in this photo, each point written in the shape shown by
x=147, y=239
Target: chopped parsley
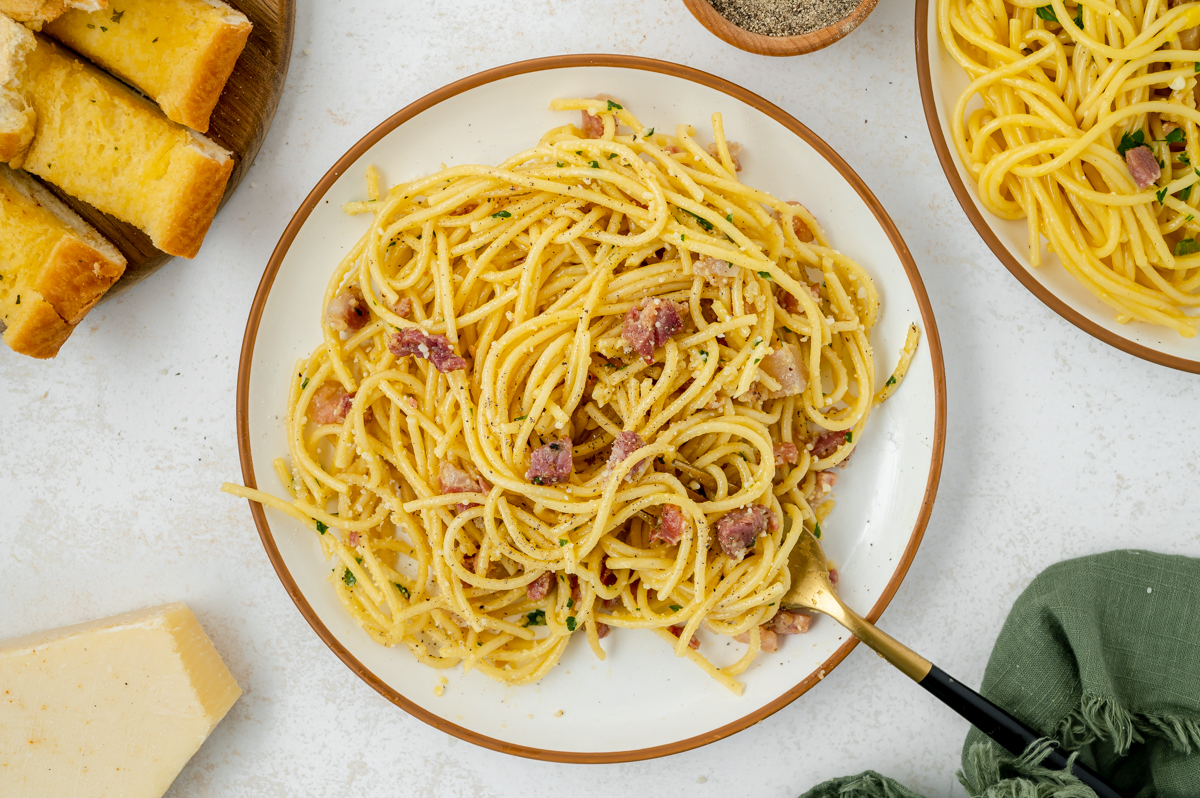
x=562, y=542
x=765, y=275
x=1128, y=142
x=403, y=590
x=1047, y=13
x=304, y=384
x=891, y=381
x=1161, y=195
x=571, y=623
x=1175, y=136
x=570, y=603
x=520, y=418
x=700, y=220
x=1196, y=67
x=561, y=164
x=611, y=155
x=1187, y=246
x=535, y=618
x=537, y=481
x=501, y=215
x=650, y=132
x=116, y=17
x=729, y=218
x=322, y=528
x=675, y=608
x=90, y=25
x=1183, y=195
x=614, y=106
x=594, y=164
x=1183, y=156
x=816, y=530
x=349, y=578
x=850, y=436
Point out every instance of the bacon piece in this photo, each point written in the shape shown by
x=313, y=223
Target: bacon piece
x=787, y=368
x=786, y=453
x=592, y=124
x=1143, y=166
x=714, y=271
x=331, y=403
x=402, y=307
x=607, y=577
x=348, y=311
x=833, y=577
x=601, y=630
x=825, y=480
x=735, y=150
x=551, y=464
x=787, y=622
x=674, y=522
x=693, y=644
x=799, y=227
x=791, y=304
x=434, y=348
x=767, y=640
x=576, y=593
x=452, y=479
x=627, y=443
x=650, y=323
x=738, y=529
x=827, y=443
x=352, y=539
x=539, y=588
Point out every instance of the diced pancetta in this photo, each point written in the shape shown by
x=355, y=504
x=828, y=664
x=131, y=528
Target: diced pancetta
x=786, y=452
x=1143, y=166
x=738, y=529
x=650, y=323
x=592, y=125
x=714, y=271
x=352, y=539
x=799, y=227
x=539, y=588
x=822, y=484
x=693, y=643
x=735, y=150
x=347, y=311
x=402, y=307
x=767, y=640
x=625, y=444
x=331, y=404
x=785, y=366
x=787, y=622
x=434, y=348
x=601, y=630
x=833, y=577
x=671, y=529
x=551, y=464
x=827, y=443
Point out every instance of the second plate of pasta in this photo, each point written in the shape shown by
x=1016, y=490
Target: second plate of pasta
x=576, y=382
x=1069, y=136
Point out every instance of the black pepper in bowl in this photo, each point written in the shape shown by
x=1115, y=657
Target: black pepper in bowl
x=784, y=17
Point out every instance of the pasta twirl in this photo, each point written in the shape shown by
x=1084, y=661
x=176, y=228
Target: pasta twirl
x=600, y=385
x=1086, y=126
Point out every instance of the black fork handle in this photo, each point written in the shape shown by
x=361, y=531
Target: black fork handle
x=1004, y=728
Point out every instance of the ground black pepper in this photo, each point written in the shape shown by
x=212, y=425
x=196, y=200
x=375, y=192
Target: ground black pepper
x=784, y=17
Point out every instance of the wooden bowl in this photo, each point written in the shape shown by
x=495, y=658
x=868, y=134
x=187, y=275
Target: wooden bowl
x=776, y=45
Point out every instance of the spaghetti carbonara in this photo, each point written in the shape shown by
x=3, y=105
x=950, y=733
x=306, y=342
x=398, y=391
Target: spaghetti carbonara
x=1087, y=128
x=600, y=385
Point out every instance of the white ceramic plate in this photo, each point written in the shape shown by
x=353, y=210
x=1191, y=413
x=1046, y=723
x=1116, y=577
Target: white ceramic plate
x=665, y=704
x=942, y=82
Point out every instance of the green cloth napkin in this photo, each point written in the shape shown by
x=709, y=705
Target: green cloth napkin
x=1101, y=654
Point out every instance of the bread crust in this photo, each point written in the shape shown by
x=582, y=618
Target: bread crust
x=42, y=11
x=39, y=331
x=193, y=104
x=185, y=222
x=74, y=278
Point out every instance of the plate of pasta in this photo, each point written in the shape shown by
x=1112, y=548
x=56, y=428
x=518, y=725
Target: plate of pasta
x=1068, y=132
x=532, y=413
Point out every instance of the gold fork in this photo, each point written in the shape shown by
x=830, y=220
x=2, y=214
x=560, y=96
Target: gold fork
x=811, y=590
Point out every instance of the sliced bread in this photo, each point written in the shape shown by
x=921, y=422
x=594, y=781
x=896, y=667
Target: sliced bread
x=179, y=52
x=37, y=12
x=53, y=266
x=100, y=142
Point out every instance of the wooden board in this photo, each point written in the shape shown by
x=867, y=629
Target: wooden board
x=239, y=124
x=725, y=30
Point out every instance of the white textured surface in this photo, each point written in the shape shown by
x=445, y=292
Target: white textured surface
x=1057, y=445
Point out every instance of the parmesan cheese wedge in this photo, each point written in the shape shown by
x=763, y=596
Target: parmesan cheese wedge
x=114, y=707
